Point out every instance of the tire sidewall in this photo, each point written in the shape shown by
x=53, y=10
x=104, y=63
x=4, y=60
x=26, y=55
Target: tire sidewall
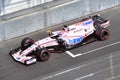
x=102, y=33
x=40, y=54
x=99, y=33
x=27, y=41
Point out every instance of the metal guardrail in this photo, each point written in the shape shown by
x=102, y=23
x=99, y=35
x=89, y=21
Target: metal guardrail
x=10, y=6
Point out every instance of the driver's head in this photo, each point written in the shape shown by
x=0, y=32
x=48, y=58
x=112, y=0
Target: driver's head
x=49, y=32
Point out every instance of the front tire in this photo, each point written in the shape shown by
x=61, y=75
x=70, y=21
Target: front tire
x=42, y=54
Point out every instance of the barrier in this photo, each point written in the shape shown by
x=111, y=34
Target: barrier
x=51, y=15
x=10, y=6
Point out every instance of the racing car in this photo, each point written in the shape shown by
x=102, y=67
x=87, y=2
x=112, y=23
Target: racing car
x=70, y=36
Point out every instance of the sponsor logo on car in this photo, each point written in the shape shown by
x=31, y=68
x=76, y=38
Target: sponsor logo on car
x=87, y=22
x=75, y=40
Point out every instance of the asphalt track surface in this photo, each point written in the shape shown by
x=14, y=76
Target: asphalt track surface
x=99, y=60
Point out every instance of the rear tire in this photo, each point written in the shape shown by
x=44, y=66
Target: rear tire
x=26, y=42
x=102, y=33
x=42, y=54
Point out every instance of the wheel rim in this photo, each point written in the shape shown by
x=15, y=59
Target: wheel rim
x=45, y=56
x=105, y=35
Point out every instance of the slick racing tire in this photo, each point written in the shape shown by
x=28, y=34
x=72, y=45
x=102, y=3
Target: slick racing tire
x=42, y=54
x=102, y=33
x=26, y=42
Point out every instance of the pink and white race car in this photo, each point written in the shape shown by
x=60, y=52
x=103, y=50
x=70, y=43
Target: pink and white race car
x=87, y=30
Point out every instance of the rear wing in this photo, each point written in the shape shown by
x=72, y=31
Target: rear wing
x=100, y=21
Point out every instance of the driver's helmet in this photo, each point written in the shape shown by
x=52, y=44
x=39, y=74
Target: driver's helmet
x=49, y=32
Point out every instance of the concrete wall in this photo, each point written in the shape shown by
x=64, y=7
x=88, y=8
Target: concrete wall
x=21, y=26
x=77, y=9
x=51, y=16
x=10, y=6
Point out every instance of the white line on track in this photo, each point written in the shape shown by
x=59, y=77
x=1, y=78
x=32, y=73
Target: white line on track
x=89, y=75
x=61, y=73
x=69, y=70
x=77, y=55
x=77, y=68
